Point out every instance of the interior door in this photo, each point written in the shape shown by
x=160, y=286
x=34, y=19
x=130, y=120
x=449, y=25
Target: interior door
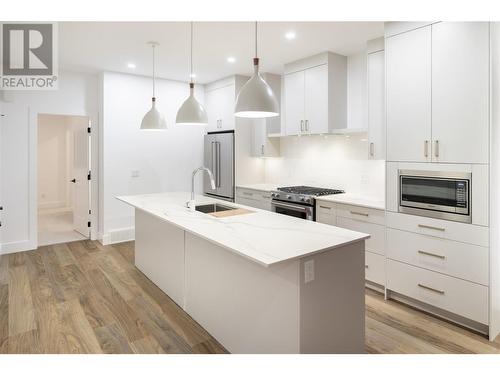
x=408, y=95
x=294, y=102
x=227, y=102
x=225, y=165
x=212, y=107
x=316, y=100
x=81, y=182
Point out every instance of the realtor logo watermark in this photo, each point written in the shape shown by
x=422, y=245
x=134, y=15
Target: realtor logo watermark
x=28, y=56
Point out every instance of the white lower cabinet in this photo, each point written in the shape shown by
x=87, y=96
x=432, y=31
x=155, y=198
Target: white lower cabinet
x=360, y=219
x=376, y=242
x=457, y=259
x=254, y=198
x=375, y=268
x=458, y=296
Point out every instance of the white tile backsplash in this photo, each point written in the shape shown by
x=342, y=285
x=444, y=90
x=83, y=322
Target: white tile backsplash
x=334, y=161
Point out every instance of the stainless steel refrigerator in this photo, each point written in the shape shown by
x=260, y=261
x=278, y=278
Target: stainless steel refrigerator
x=219, y=158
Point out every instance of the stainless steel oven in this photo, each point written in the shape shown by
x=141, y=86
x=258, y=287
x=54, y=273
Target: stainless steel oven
x=293, y=209
x=442, y=195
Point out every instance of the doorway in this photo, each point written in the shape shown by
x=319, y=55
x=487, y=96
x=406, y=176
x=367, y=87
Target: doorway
x=63, y=178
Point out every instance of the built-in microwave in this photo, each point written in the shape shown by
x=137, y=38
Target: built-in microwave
x=442, y=195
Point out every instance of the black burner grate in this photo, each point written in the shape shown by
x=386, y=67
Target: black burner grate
x=309, y=190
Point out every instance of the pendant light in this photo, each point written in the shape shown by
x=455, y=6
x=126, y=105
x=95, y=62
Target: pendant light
x=153, y=120
x=191, y=111
x=256, y=98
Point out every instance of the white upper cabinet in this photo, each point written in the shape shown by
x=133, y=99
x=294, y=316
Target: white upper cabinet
x=316, y=100
x=294, y=102
x=460, y=92
x=316, y=95
x=376, y=104
x=220, y=108
x=408, y=93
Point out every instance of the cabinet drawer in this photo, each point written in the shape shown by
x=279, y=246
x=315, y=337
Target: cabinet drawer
x=370, y=215
x=376, y=242
x=253, y=194
x=466, y=261
x=460, y=297
x=375, y=268
x=325, y=213
x=452, y=230
x=262, y=204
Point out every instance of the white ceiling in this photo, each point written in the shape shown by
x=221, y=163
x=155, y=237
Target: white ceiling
x=99, y=46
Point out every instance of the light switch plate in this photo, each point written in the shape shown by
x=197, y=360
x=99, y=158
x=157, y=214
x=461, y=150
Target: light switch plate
x=308, y=271
x=134, y=173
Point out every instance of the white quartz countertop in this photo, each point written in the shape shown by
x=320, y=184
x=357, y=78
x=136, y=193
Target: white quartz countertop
x=355, y=200
x=262, y=236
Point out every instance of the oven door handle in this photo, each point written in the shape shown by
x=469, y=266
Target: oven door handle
x=291, y=206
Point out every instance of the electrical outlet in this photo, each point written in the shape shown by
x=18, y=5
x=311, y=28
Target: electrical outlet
x=308, y=271
x=134, y=173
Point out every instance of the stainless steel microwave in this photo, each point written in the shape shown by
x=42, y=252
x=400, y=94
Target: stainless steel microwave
x=441, y=195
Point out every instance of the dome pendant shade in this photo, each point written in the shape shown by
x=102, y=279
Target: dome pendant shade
x=256, y=99
x=153, y=120
x=191, y=111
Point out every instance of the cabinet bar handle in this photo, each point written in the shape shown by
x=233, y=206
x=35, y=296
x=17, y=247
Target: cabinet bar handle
x=247, y=193
x=359, y=213
x=326, y=208
x=372, y=152
x=301, y=125
x=426, y=148
x=307, y=125
x=436, y=148
x=431, y=227
x=262, y=149
x=431, y=289
x=431, y=254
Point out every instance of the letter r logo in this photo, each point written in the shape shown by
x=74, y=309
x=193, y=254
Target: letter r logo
x=27, y=49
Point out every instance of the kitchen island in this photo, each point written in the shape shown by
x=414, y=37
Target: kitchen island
x=258, y=281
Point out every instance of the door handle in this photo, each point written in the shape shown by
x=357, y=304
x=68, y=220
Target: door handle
x=426, y=149
x=307, y=125
x=372, y=152
x=436, y=148
x=301, y=125
x=214, y=159
x=217, y=148
x=73, y=180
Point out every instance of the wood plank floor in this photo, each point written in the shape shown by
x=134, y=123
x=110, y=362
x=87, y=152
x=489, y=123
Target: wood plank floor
x=82, y=297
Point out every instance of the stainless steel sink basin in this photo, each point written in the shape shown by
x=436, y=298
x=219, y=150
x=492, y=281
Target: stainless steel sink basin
x=213, y=207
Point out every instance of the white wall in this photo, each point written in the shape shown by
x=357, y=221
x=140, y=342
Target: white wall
x=163, y=159
x=55, y=156
x=77, y=95
x=334, y=161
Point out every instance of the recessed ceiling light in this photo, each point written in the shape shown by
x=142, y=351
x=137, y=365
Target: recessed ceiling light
x=290, y=35
x=131, y=65
x=231, y=59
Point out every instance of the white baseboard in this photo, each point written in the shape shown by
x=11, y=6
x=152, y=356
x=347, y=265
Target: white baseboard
x=118, y=235
x=16, y=247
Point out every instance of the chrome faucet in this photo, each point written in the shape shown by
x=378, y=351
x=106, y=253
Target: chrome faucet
x=190, y=204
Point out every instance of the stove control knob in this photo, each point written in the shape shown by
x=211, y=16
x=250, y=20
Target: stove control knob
x=288, y=197
x=302, y=199
x=273, y=195
x=308, y=200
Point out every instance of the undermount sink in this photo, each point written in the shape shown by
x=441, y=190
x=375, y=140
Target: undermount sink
x=213, y=207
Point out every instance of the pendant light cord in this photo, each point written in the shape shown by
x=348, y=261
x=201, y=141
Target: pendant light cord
x=191, y=59
x=154, y=71
x=256, y=39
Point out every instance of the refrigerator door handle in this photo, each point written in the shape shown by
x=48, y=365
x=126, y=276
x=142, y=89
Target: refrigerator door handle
x=217, y=148
x=214, y=159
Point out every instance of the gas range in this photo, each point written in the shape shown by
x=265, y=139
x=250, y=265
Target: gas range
x=302, y=194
